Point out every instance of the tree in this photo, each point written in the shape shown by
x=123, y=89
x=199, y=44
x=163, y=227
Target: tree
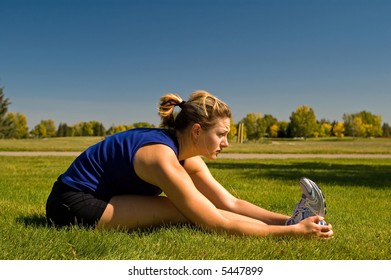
x=353, y=125
x=325, y=128
x=98, y=128
x=18, y=128
x=386, y=130
x=283, y=129
x=78, y=129
x=273, y=131
x=303, y=122
x=50, y=128
x=87, y=129
x=233, y=130
x=143, y=124
x=268, y=121
x=39, y=131
x=5, y=124
x=252, y=123
x=363, y=124
x=46, y=128
x=338, y=129
x=118, y=128
x=62, y=130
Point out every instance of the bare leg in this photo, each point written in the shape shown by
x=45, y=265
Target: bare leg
x=131, y=212
x=234, y=216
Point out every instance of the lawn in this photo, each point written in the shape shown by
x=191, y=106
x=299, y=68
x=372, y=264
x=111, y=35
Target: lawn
x=357, y=193
x=60, y=144
x=267, y=146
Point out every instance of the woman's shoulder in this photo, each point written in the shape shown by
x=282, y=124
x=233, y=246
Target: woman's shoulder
x=138, y=137
x=142, y=132
x=158, y=134
x=195, y=164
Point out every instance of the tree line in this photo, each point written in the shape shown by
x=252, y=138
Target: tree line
x=302, y=124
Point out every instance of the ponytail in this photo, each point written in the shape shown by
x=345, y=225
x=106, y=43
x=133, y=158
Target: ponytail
x=202, y=107
x=166, y=109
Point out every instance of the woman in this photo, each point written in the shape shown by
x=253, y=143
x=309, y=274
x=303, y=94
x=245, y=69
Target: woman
x=117, y=183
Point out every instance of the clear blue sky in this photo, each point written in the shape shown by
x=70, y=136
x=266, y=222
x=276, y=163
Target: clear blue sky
x=82, y=60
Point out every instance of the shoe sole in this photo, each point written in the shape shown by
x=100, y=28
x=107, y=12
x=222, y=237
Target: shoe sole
x=319, y=207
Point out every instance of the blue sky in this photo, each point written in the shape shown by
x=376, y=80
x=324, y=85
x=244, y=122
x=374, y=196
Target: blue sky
x=82, y=60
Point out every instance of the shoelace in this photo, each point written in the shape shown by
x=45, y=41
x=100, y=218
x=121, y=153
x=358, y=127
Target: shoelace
x=301, y=208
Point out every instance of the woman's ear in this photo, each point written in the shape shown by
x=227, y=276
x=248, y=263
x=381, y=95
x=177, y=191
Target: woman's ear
x=195, y=131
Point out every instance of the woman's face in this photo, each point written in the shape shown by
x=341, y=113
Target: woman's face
x=212, y=141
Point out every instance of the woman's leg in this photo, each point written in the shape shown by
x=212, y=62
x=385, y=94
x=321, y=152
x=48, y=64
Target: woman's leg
x=234, y=216
x=131, y=212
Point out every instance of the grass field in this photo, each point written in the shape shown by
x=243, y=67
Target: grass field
x=49, y=144
x=310, y=146
x=357, y=191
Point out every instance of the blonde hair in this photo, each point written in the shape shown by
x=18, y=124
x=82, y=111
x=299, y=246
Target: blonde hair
x=202, y=107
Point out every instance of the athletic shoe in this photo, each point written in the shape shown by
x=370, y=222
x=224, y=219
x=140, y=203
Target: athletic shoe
x=300, y=212
x=314, y=198
x=312, y=202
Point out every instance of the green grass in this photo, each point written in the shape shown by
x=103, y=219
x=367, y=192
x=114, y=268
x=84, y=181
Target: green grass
x=49, y=144
x=268, y=146
x=315, y=146
x=358, y=201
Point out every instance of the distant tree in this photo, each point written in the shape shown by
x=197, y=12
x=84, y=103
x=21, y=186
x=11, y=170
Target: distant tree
x=46, y=128
x=253, y=126
x=354, y=125
x=363, y=124
x=143, y=124
x=39, y=131
x=338, y=129
x=50, y=128
x=118, y=128
x=303, y=122
x=371, y=123
x=261, y=128
x=273, y=130
x=110, y=131
x=70, y=131
x=78, y=129
x=91, y=128
x=386, y=130
x=5, y=124
x=233, y=130
x=325, y=128
x=87, y=129
x=98, y=128
x=283, y=129
x=350, y=129
x=18, y=128
x=267, y=122
x=62, y=130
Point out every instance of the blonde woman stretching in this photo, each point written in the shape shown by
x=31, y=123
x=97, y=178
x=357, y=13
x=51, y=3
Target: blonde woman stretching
x=117, y=182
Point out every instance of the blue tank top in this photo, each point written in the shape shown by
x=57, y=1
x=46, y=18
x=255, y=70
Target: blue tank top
x=106, y=168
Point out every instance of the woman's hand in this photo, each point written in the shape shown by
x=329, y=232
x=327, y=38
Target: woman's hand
x=312, y=228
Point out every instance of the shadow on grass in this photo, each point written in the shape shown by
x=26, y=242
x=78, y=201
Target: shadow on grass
x=39, y=221
x=366, y=175
x=35, y=220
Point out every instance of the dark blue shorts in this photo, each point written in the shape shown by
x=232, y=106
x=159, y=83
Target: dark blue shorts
x=66, y=206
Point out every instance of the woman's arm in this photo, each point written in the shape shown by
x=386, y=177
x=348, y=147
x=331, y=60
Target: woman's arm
x=158, y=165
x=222, y=199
